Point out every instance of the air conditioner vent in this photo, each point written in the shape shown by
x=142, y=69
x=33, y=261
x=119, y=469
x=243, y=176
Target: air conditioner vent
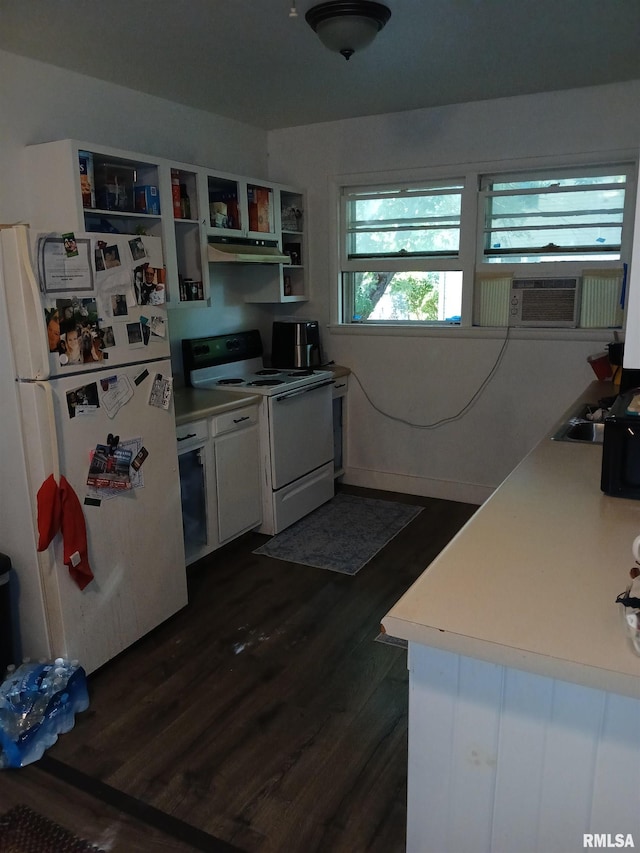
x=544, y=302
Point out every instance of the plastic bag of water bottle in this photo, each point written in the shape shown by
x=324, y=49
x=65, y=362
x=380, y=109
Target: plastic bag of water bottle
x=38, y=701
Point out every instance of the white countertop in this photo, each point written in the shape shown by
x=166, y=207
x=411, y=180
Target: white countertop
x=191, y=404
x=531, y=580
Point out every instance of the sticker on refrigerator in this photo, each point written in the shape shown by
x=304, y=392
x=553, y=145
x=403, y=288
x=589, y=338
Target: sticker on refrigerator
x=134, y=334
x=149, y=285
x=119, y=307
x=70, y=245
x=158, y=326
x=73, y=331
x=83, y=400
x=161, y=391
x=138, y=250
x=130, y=454
x=115, y=392
x=139, y=458
x=80, y=316
x=107, y=257
x=60, y=272
x=109, y=467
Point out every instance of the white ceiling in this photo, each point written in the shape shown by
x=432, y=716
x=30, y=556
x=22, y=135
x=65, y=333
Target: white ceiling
x=248, y=60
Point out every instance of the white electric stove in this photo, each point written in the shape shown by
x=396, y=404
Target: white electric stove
x=296, y=420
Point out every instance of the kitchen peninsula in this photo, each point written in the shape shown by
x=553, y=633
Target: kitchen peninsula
x=524, y=706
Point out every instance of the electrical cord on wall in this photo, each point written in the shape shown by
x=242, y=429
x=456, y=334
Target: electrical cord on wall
x=463, y=411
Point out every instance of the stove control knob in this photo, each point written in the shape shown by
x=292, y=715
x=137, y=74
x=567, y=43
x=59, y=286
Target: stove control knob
x=233, y=343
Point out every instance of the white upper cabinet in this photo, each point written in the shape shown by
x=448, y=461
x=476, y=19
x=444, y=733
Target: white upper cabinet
x=75, y=186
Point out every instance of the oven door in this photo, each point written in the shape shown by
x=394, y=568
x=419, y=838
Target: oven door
x=300, y=432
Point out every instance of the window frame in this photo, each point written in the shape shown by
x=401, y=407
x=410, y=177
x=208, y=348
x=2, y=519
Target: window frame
x=470, y=254
x=485, y=193
x=410, y=263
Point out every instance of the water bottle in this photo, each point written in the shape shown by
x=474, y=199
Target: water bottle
x=38, y=701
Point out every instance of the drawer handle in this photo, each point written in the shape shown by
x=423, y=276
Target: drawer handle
x=239, y=420
x=339, y=386
x=185, y=437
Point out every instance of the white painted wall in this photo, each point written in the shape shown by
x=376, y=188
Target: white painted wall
x=420, y=378
x=427, y=377
x=41, y=103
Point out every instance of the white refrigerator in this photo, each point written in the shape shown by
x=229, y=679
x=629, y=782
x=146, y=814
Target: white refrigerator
x=85, y=371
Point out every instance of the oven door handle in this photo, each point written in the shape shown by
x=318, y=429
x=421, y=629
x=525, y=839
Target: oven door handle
x=299, y=391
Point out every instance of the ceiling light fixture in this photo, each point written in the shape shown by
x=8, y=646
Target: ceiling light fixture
x=347, y=26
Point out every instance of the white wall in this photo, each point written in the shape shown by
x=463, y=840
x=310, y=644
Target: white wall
x=41, y=103
x=420, y=378
x=425, y=378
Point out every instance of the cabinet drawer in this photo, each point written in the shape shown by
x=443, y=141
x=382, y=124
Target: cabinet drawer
x=190, y=434
x=340, y=386
x=235, y=419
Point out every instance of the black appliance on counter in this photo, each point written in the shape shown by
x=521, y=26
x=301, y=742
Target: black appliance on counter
x=296, y=343
x=620, y=476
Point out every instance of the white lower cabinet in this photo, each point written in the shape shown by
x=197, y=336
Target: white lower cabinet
x=237, y=463
x=220, y=479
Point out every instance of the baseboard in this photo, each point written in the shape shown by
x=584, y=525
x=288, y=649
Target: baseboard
x=450, y=490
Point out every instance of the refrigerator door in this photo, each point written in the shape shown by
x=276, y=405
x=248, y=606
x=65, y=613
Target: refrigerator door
x=17, y=538
x=135, y=542
x=97, y=302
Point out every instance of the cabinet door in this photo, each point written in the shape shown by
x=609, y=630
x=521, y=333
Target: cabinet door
x=194, y=503
x=238, y=482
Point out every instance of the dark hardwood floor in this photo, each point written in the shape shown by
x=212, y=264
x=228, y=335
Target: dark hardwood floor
x=264, y=715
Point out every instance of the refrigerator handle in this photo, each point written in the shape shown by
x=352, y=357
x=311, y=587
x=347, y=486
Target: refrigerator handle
x=51, y=419
x=23, y=250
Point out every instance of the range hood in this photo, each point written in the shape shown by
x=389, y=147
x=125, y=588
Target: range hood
x=243, y=250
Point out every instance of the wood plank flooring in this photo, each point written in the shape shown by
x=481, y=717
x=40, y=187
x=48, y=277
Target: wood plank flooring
x=263, y=715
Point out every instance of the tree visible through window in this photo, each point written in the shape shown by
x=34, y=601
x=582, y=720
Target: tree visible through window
x=392, y=237
x=406, y=296
x=406, y=249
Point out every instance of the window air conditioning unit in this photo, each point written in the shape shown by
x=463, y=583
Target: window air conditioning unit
x=550, y=302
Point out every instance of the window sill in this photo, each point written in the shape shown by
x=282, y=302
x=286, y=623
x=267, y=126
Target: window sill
x=515, y=332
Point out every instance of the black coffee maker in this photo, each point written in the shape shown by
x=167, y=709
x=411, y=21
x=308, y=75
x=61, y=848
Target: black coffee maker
x=296, y=343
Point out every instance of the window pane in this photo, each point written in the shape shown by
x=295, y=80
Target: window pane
x=577, y=216
x=427, y=297
x=416, y=221
x=404, y=241
x=561, y=239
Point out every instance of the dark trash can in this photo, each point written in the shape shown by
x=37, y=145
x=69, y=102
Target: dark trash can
x=6, y=621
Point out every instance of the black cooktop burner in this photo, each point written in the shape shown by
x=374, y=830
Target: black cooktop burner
x=260, y=382
x=267, y=372
x=232, y=381
x=304, y=372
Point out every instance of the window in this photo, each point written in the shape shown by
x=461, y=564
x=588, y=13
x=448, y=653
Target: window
x=574, y=215
x=411, y=254
x=401, y=253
